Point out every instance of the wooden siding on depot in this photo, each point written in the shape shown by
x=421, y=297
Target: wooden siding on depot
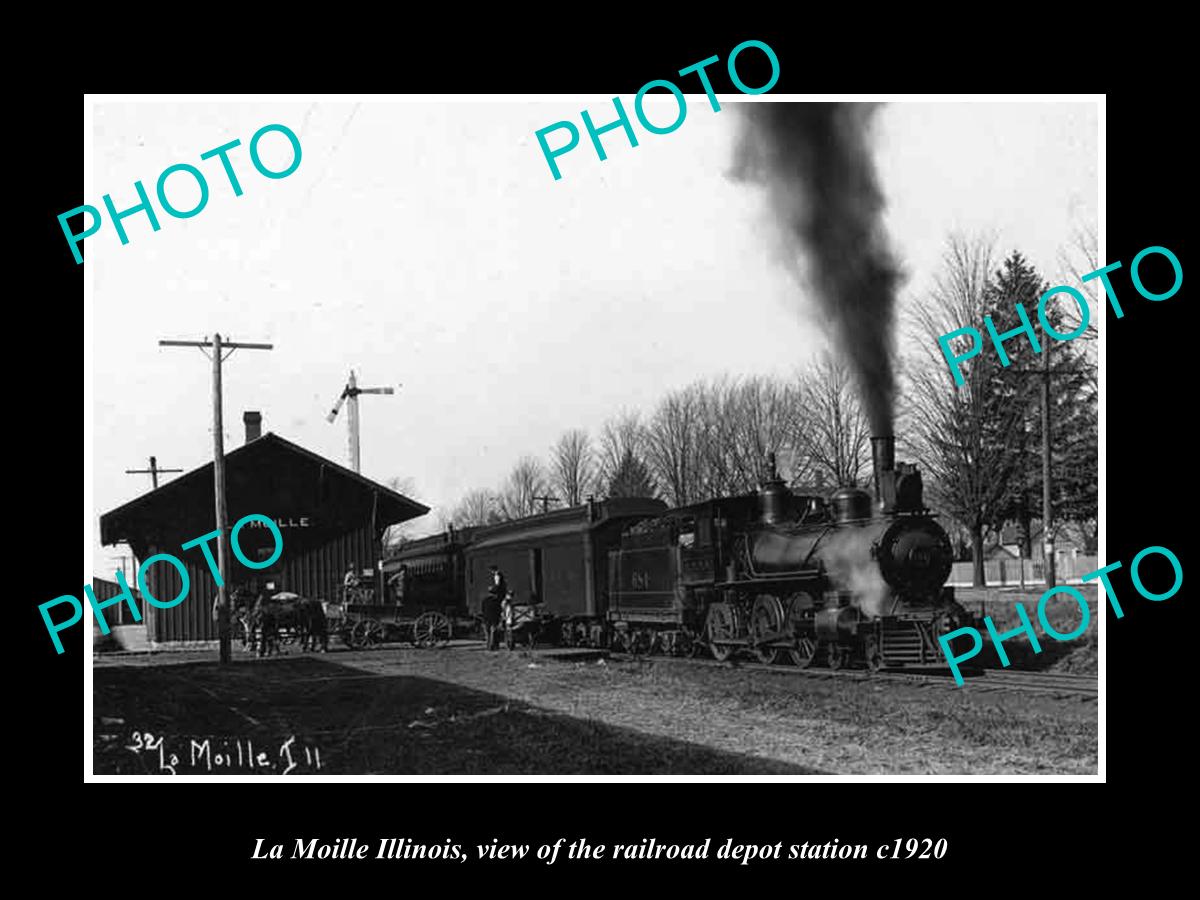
x=315, y=571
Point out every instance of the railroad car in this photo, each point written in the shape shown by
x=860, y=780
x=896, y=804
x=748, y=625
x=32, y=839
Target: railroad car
x=557, y=562
x=435, y=575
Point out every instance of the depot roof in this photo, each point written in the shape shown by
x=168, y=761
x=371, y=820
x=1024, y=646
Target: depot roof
x=270, y=476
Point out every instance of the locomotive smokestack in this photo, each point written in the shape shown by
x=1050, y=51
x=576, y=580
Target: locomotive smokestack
x=883, y=453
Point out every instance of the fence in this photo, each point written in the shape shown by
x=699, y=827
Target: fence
x=1008, y=572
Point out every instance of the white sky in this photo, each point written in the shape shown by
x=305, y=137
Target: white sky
x=427, y=244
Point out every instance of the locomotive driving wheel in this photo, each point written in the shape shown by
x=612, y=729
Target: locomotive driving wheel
x=837, y=656
x=722, y=629
x=766, y=624
x=432, y=629
x=804, y=651
x=800, y=607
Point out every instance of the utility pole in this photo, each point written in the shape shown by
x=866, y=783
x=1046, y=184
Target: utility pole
x=1045, y=375
x=152, y=471
x=1047, y=506
x=350, y=392
x=218, y=347
x=545, y=501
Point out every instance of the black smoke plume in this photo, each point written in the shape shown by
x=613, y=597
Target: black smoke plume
x=815, y=161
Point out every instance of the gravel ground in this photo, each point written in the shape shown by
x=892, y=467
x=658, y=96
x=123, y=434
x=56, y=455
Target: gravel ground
x=466, y=710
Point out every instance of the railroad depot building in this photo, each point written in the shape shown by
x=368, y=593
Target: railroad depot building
x=329, y=516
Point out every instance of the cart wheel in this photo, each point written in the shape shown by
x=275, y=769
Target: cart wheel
x=357, y=638
x=432, y=629
x=376, y=633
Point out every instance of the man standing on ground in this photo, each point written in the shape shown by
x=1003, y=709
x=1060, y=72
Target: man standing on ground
x=497, y=591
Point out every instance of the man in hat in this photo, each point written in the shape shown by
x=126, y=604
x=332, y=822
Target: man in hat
x=399, y=584
x=351, y=584
x=497, y=591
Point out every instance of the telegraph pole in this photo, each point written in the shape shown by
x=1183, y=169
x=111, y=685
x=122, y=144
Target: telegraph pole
x=1047, y=506
x=152, y=471
x=219, y=346
x=1045, y=375
x=545, y=501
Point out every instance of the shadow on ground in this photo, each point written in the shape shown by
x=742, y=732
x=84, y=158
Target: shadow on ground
x=147, y=717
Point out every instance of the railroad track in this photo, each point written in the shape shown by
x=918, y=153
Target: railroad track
x=1064, y=685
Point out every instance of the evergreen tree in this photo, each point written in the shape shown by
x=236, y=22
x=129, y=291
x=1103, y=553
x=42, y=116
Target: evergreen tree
x=1073, y=405
x=632, y=478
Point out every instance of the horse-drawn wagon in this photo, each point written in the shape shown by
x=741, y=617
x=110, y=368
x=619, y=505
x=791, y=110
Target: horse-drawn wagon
x=365, y=626
x=361, y=623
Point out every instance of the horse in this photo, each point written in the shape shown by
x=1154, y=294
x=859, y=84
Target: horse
x=264, y=621
x=313, y=625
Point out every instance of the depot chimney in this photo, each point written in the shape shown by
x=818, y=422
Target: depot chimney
x=252, y=419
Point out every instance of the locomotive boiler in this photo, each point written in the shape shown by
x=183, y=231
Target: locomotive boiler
x=840, y=580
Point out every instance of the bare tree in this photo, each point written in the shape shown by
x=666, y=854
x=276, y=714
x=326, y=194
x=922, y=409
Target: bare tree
x=1077, y=260
x=477, y=507
x=672, y=442
x=718, y=464
x=1081, y=258
x=832, y=435
x=762, y=414
x=571, y=467
x=395, y=536
x=966, y=437
x=525, y=483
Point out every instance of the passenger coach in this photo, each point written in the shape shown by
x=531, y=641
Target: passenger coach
x=558, y=559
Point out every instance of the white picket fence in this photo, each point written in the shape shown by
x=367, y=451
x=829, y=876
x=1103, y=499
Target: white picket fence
x=1007, y=572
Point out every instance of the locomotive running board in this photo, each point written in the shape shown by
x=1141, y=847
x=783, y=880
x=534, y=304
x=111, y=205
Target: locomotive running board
x=782, y=577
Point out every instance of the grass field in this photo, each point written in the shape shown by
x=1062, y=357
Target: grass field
x=1063, y=613
x=408, y=711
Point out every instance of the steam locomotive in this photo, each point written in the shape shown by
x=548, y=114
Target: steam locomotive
x=839, y=581
x=781, y=574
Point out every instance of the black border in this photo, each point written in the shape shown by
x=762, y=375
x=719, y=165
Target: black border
x=990, y=826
